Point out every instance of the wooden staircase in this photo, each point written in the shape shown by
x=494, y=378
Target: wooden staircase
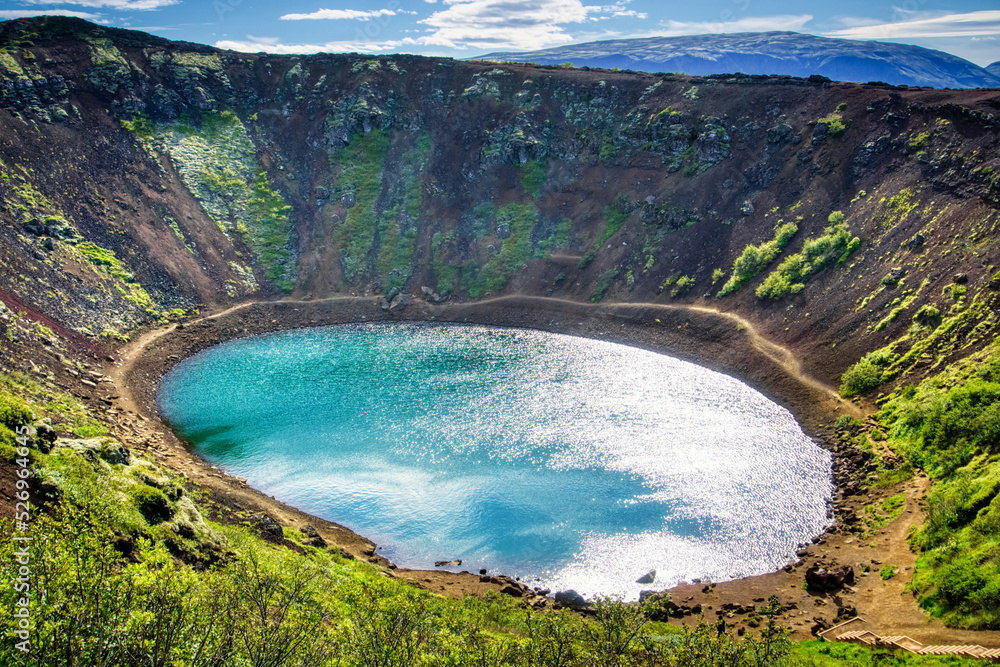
x=867, y=638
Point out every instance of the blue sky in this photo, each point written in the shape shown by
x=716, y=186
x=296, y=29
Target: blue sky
x=463, y=28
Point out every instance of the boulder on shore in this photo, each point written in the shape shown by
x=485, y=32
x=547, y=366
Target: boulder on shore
x=829, y=579
x=571, y=599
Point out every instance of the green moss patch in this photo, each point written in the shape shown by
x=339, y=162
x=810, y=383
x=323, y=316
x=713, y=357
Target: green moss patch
x=218, y=164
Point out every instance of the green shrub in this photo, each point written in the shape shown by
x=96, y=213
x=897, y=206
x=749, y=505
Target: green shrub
x=14, y=412
x=866, y=374
x=682, y=286
x=954, y=292
x=532, y=177
x=755, y=259
x=615, y=217
x=835, y=125
x=919, y=142
x=833, y=246
x=152, y=503
x=848, y=422
x=927, y=314
x=603, y=284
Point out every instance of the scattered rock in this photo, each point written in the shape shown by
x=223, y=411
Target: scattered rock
x=513, y=591
x=819, y=625
x=571, y=599
x=317, y=542
x=268, y=527
x=829, y=580
x=820, y=133
x=916, y=242
x=448, y=563
x=846, y=613
x=647, y=578
x=780, y=133
x=399, y=301
x=104, y=448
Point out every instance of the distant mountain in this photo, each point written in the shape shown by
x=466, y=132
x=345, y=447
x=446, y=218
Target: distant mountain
x=773, y=53
x=993, y=68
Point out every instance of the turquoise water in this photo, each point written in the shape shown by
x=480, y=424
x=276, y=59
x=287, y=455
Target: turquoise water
x=570, y=462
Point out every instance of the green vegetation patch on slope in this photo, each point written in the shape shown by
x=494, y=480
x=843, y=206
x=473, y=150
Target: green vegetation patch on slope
x=834, y=122
x=558, y=239
x=755, y=259
x=109, y=264
x=517, y=249
x=933, y=337
x=398, y=226
x=834, y=246
x=109, y=67
x=361, y=164
x=949, y=425
x=615, y=216
x=218, y=164
x=532, y=175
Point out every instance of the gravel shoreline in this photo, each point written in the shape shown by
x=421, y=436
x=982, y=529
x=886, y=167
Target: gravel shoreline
x=720, y=341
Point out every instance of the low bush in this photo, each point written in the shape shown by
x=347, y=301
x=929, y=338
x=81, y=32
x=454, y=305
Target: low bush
x=834, y=246
x=755, y=259
x=866, y=374
x=14, y=412
x=152, y=503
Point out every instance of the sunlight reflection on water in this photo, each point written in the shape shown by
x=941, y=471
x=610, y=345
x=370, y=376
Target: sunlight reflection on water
x=571, y=462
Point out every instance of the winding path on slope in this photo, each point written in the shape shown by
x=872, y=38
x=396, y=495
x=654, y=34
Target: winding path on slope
x=780, y=355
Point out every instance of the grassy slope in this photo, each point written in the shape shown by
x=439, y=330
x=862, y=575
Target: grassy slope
x=949, y=425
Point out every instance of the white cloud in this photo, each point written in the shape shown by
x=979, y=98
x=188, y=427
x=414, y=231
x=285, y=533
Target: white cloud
x=616, y=11
x=970, y=24
x=336, y=14
x=515, y=24
x=109, y=4
x=794, y=22
x=273, y=45
x=23, y=13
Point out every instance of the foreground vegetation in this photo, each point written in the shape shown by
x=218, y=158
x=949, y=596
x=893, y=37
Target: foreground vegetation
x=949, y=425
